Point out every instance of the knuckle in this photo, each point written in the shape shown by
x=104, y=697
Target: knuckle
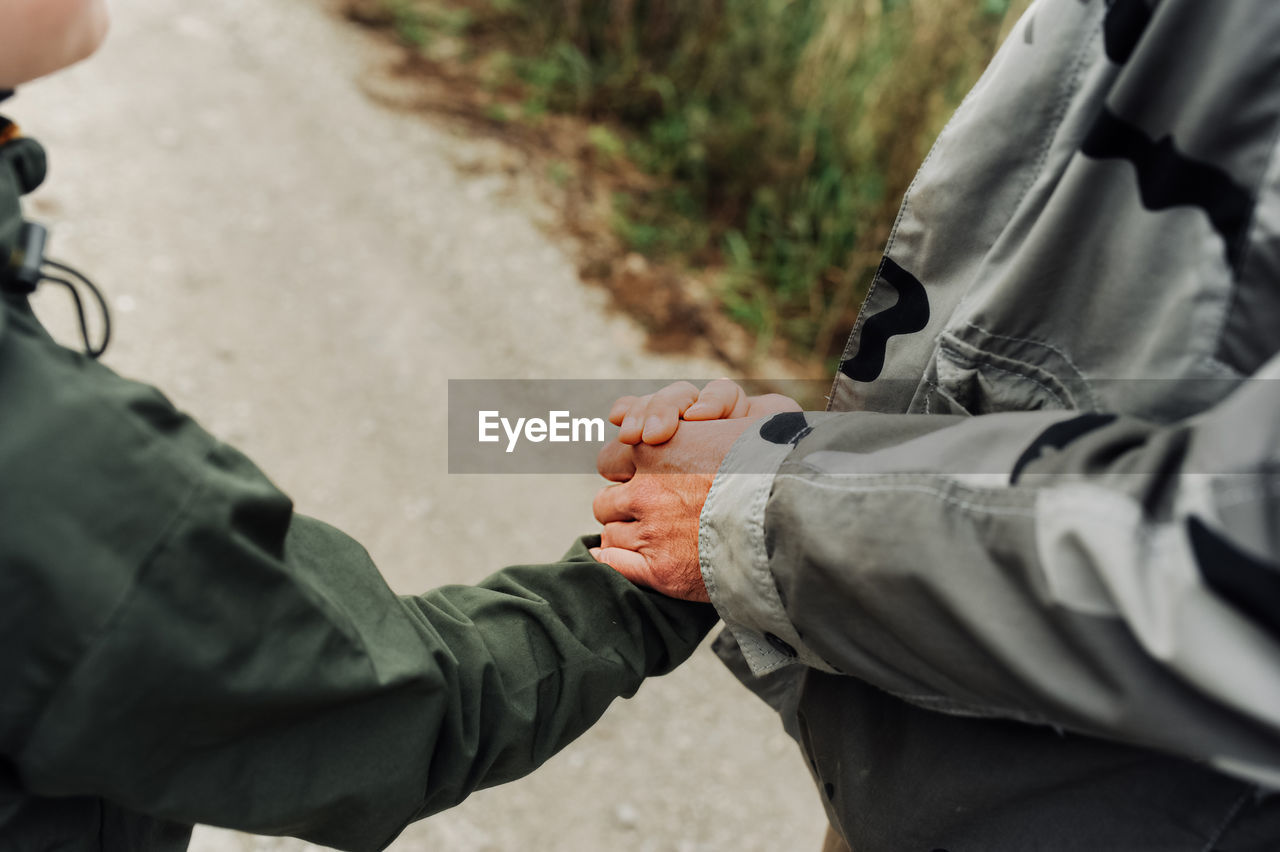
x=640, y=498
x=678, y=390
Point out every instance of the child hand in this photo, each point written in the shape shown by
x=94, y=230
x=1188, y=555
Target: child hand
x=654, y=418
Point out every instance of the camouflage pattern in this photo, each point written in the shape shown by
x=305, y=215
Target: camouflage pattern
x=1020, y=586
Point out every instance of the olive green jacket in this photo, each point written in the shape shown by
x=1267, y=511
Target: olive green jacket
x=177, y=646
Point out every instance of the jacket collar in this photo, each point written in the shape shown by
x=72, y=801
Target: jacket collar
x=22, y=169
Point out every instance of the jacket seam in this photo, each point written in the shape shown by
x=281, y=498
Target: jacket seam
x=920, y=488
x=860, y=321
x=1093, y=32
x=1232, y=813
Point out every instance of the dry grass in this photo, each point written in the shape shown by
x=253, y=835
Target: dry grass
x=775, y=137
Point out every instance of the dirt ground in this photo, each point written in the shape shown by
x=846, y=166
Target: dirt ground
x=304, y=270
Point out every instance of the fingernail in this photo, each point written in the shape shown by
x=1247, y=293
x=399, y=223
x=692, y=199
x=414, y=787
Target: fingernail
x=595, y=553
x=696, y=408
x=652, y=424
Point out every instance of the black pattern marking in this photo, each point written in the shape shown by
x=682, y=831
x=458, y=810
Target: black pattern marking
x=1125, y=22
x=1058, y=436
x=785, y=428
x=1245, y=581
x=907, y=316
x=1168, y=178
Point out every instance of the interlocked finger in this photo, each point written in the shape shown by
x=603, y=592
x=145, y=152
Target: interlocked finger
x=623, y=406
x=616, y=462
x=659, y=418
x=628, y=563
x=623, y=534
x=613, y=504
x=719, y=400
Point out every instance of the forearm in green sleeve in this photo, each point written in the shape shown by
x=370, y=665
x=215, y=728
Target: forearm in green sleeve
x=260, y=675
x=551, y=647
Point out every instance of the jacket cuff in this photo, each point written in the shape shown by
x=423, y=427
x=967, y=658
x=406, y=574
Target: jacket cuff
x=732, y=551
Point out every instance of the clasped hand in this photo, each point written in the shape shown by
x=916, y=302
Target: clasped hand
x=669, y=447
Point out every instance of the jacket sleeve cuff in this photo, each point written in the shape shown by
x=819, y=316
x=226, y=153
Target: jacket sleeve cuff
x=732, y=551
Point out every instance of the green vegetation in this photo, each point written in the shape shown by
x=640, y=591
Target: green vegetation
x=780, y=134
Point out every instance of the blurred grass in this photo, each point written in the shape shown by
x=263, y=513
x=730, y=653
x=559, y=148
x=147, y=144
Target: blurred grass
x=781, y=134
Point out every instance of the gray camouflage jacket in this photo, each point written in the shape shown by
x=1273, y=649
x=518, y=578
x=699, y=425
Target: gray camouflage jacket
x=1047, y=488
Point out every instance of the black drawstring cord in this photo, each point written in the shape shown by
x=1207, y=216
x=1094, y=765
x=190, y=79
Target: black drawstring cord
x=27, y=269
x=89, y=349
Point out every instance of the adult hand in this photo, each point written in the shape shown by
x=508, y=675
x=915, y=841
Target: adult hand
x=655, y=417
x=651, y=512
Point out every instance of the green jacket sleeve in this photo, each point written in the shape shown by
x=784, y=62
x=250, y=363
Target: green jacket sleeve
x=177, y=641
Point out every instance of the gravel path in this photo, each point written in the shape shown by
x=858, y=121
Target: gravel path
x=304, y=271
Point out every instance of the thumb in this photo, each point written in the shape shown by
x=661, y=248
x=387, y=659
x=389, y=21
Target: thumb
x=628, y=563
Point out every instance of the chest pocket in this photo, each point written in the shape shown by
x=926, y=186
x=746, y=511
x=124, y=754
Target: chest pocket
x=966, y=378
